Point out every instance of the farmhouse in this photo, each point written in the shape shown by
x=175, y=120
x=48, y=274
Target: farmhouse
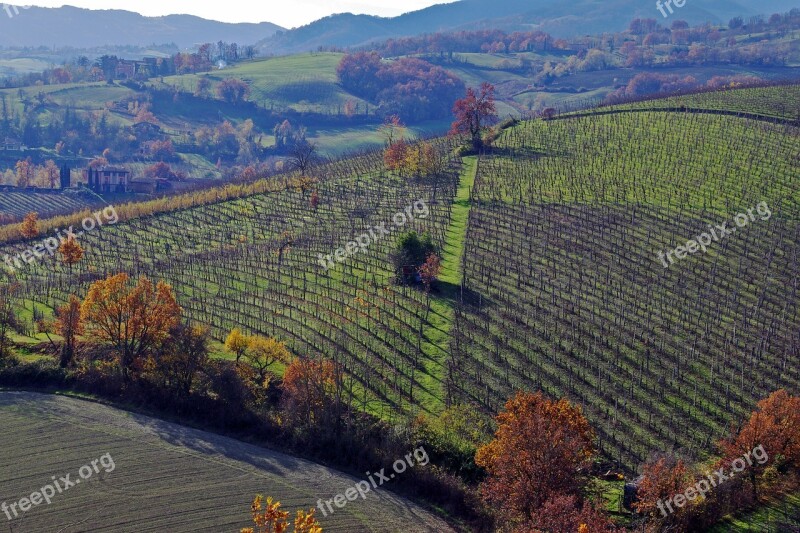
x=107, y=179
x=10, y=144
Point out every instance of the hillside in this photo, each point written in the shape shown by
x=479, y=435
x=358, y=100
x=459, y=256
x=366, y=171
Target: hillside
x=559, y=286
x=195, y=481
x=562, y=19
x=82, y=28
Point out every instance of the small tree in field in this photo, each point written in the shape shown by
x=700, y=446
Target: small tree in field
x=473, y=113
x=263, y=352
x=410, y=253
x=71, y=252
x=430, y=271
x=30, y=226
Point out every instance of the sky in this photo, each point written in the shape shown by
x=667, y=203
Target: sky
x=286, y=13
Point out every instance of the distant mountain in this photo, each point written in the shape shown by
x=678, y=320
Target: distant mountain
x=560, y=18
x=85, y=28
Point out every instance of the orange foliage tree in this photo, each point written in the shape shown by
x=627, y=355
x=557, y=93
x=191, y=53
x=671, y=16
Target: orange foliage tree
x=309, y=388
x=567, y=513
x=71, y=252
x=541, y=448
x=69, y=326
x=662, y=479
x=270, y=519
x=395, y=155
x=775, y=425
x=30, y=226
x=132, y=320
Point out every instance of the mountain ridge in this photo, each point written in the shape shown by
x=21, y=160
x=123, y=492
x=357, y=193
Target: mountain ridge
x=36, y=26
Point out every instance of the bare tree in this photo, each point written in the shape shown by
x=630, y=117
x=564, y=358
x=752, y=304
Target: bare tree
x=303, y=155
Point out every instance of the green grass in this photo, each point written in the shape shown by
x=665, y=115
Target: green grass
x=303, y=82
x=437, y=329
x=766, y=519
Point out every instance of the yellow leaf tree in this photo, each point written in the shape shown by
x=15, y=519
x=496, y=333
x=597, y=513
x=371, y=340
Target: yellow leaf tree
x=270, y=519
x=264, y=352
x=236, y=343
x=132, y=320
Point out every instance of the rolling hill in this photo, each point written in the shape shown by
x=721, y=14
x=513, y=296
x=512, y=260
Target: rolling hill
x=553, y=280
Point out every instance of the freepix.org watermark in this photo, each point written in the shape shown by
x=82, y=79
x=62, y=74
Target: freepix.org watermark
x=668, y=4
x=62, y=484
x=715, y=234
x=713, y=480
x=418, y=209
x=13, y=10
x=51, y=244
x=362, y=488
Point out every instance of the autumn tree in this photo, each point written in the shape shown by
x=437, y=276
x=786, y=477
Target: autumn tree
x=236, y=343
x=233, y=90
x=314, y=200
x=663, y=478
x=71, y=252
x=395, y=155
x=775, y=425
x=183, y=354
x=133, y=321
x=473, y=113
x=263, y=352
x=567, y=513
x=392, y=130
x=541, y=448
x=430, y=270
x=24, y=172
x=310, y=391
x=269, y=518
x=68, y=325
x=30, y=226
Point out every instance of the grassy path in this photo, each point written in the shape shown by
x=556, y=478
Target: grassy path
x=436, y=334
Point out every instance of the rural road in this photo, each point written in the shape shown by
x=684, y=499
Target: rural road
x=164, y=477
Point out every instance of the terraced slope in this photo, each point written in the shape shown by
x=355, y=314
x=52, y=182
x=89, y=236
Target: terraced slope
x=165, y=477
x=254, y=263
x=779, y=101
x=567, y=292
x=18, y=204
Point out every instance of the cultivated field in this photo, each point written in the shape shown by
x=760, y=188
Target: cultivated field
x=165, y=477
x=557, y=286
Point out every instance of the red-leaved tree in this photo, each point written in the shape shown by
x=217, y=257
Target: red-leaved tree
x=474, y=112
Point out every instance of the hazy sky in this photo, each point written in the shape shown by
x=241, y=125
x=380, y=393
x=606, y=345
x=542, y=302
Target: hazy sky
x=287, y=13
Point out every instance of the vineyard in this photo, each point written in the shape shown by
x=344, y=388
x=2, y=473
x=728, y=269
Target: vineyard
x=560, y=286
x=778, y=101
x=18, y=204
x=569, y=296
x=253, y=263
